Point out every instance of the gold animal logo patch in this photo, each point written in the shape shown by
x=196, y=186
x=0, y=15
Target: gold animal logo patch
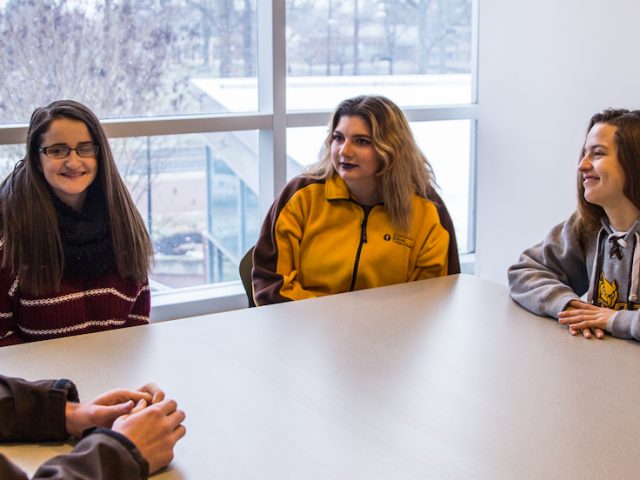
x=607, y=292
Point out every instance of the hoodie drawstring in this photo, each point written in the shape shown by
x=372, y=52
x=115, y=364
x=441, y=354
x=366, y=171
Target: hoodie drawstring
x=635, y=270
x=617, y=242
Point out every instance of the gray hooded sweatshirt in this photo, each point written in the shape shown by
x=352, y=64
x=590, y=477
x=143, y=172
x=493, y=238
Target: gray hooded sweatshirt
x=550, y=274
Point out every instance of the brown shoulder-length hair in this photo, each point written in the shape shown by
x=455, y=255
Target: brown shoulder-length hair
x=627, y=138
x=405, y=170
x=32, y=242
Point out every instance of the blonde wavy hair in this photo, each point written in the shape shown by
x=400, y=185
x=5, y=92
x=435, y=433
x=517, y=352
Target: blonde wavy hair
x=405, y=169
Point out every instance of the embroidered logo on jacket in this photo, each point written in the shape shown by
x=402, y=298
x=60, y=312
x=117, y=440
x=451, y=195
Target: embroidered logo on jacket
x=403, y=240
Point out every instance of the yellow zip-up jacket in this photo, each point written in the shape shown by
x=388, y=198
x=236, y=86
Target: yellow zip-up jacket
x=317, y=241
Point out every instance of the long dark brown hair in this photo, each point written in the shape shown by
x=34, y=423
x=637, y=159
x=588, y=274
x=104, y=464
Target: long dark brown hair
x=405, y=170
x=627, y=138
x=32, y=241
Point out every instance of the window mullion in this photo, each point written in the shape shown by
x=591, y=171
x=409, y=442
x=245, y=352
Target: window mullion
x=271, y=99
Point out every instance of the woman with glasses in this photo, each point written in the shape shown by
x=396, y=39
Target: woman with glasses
x=75, y=252
x=365, y=215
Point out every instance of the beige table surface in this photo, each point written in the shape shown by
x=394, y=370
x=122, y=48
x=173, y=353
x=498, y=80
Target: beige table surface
x=443, y=378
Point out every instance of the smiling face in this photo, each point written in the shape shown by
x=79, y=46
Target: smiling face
x=69, y=177
x=603, y=178
x=355, y=159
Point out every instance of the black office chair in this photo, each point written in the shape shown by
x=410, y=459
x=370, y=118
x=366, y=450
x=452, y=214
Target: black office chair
x=447, y=223
x=246, y=264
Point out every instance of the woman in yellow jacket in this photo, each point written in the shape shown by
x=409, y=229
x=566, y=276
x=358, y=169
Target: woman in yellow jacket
x=365, y=215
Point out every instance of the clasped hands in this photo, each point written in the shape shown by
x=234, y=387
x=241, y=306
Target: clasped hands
x=144, y=416
x=584, y=317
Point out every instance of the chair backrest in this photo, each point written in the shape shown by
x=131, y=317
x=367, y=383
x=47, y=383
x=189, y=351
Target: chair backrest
x=447, y=223
x=246, y=264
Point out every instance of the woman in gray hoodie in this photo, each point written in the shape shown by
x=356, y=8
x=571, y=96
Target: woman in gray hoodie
x=597, y=250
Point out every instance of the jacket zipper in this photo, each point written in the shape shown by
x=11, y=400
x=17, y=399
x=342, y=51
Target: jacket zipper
x=363, y=240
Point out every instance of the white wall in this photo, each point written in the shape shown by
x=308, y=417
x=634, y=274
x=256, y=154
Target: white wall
x=544, y=68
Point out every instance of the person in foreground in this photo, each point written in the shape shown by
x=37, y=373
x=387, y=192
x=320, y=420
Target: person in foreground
x=75, y=252
x=123, y=434
x=365, y=215
x=597, y=250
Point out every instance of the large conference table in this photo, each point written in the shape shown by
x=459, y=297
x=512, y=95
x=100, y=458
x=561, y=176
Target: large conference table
x=438, y=379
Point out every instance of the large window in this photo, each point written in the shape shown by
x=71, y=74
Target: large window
x=125, y=58
x=418, y=51
x=212, y=105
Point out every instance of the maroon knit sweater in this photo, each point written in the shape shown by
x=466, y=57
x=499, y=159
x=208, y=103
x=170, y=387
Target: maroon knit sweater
x=83, y=305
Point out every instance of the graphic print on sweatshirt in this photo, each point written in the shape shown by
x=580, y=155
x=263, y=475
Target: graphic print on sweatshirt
x=608, y=293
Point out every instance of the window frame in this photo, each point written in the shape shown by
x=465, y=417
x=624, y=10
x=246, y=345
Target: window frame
x=271, y=121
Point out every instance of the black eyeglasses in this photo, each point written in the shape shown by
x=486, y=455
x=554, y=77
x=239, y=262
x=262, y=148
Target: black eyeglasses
x=63, y=151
